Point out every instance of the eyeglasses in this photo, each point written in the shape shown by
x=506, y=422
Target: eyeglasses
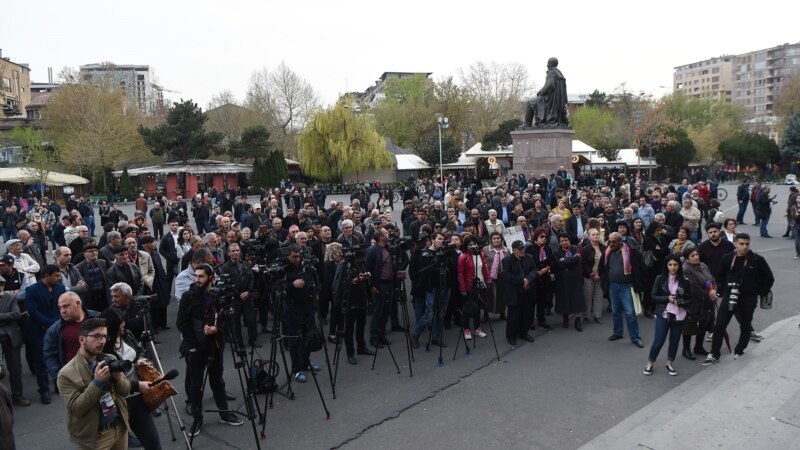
x=98, y=336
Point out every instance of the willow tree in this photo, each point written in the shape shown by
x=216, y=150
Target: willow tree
x=338, y=141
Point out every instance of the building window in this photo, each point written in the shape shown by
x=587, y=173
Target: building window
x=6, y=84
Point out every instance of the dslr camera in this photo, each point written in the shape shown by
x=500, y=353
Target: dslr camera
x=733, y=295
x=118, y=365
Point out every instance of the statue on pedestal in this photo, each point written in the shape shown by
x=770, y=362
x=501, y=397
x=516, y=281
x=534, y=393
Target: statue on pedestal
x=549, y=108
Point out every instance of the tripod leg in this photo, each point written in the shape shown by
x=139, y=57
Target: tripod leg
x=407, y=325
x=491, y=331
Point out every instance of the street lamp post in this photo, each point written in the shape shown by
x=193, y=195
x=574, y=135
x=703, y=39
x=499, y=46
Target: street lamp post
x=443, y=122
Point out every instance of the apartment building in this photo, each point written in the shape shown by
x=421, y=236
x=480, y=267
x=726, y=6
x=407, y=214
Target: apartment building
x=712, y=78
x=137, y=81
x=15, y=87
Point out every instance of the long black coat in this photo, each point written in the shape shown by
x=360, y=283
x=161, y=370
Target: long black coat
x=569, y=281
x=514, y=272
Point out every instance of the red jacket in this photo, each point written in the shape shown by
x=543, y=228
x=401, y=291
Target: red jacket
x=466, y=271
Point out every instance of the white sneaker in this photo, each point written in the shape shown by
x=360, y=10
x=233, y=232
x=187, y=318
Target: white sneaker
x=710, y=337
x=467, y=334
x=756, y=336
x=479, y=332
x=710, y=359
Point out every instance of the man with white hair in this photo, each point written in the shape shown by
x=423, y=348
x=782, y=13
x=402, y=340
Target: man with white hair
x=25, y=265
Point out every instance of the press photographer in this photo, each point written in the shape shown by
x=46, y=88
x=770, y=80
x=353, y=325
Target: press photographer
x=125, y=346
x=298, y=308
x=349, y=298
x=200, y=323
x=378, y=262
x=429, y=279
x=87, y=382
x=742, y=277
x=239, y=274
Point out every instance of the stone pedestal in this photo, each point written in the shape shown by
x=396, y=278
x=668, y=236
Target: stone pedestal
x=542, y=151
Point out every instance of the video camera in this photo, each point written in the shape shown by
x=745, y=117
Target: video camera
x=354, y=253
x=223, y=292
x=400, y=243
x=445, y=249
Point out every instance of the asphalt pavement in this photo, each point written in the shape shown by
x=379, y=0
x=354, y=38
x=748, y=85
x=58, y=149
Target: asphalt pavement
x=564, y=391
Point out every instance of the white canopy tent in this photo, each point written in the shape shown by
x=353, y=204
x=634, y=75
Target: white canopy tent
x=25, y=175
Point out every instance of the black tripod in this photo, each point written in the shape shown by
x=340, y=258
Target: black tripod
x=271, y=366
x=146, y=340
x=240, y=362
x=439, y=299
x=346, y=285
x=400, y=296
x=476, y=296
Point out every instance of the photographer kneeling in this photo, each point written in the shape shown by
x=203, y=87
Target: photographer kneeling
x=672, y=295
x=124, y=345
x=200, y=323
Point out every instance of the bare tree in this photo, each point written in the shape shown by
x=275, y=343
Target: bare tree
x=284, y=99
x=496, y=91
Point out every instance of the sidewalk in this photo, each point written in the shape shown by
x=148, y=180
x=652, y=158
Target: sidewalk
x=744, y=404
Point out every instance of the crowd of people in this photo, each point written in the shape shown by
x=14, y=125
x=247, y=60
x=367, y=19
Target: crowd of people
x=662, y=252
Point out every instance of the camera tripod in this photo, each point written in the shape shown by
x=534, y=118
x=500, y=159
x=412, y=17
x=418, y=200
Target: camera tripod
x=439, y=300
x=240, y=362
x=271, y=366
x=146, y=339
x=478, y=287
x=400, y=296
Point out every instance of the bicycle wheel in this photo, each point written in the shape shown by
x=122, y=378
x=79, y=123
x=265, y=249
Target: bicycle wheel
x=722, y=194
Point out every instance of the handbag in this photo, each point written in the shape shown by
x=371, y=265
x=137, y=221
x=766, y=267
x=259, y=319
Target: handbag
x=649, y=257
x=765, y=301
x=637, y=302
x=157, y=394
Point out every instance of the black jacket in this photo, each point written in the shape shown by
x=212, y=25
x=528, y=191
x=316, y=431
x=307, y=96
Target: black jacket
x=572, y=227
x=194, y=313
x=660, y=293
x=754, y=278
x=514, y=272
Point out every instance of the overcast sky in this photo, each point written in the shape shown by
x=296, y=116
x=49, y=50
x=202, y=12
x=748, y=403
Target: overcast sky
x=199, y=48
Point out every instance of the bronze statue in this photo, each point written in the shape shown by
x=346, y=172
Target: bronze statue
x=550, y=105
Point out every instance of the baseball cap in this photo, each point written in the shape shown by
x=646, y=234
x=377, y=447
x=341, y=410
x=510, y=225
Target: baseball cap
x=7, y=259
x=517, y=244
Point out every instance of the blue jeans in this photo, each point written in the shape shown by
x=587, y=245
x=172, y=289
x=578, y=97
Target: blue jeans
x=622, y=303
x=380, y=309
x=663, y=327
x=428, y=316
x=764, y=223
x=90, y=224
x=740, y=214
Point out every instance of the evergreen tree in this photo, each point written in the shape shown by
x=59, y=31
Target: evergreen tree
x=125, y=185
x=183, y=137
x=791, y=139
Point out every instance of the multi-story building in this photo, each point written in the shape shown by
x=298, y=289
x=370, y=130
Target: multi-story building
x=137, y=81
x=376, y=92
x=712, y=78
x=15, y=87
x=752, y=79
x=760, y=75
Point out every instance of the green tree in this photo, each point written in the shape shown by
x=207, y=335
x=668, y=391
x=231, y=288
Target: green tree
x=676, y=153
x=254, y=143
x=749, y=149
x=599, y=128
x=453, y=101
x=791, y=139
x=501, y=136
x=93, y=128
x=407, y=114
x=183, y=137
x=597, y=99
x=430, y=151
x=40, y=158
x=337, y=141
x=125, y=185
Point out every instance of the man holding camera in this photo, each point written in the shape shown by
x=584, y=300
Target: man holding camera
x=239, y=274
x=378, y=263
x=97, y=415
x=743, y=277
x=429, y=279
x=199, y=321
x=298, y=307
